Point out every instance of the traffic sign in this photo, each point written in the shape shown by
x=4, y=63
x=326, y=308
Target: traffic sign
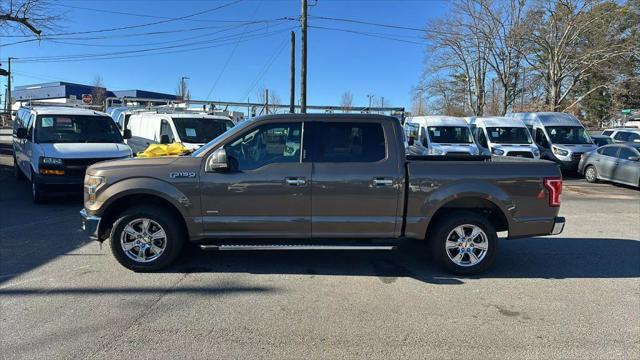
x=87, y=99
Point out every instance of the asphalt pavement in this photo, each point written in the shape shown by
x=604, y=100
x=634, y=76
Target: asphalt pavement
x=576, y=295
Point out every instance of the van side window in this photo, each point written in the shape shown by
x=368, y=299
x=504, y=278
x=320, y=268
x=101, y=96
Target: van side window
x=165, y=129
x=349, y=142
x=540, y=138
x=482, y=139
x=29, y=123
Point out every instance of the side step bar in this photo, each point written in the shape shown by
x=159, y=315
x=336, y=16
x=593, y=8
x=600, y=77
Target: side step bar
x=297, y=247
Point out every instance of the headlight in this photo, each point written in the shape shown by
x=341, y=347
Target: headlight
x=559, y=151
x=92, y=184
x=50, y=161
x=497, y=151
x=436, y=151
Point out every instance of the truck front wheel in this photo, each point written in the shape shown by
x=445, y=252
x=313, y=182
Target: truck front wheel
x=146, y=239
x=464, y=243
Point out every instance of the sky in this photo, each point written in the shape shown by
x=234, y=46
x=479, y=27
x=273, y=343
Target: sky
x=232, y=52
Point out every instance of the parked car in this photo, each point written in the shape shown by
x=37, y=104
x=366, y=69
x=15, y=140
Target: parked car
x=601, y=140
x=560, y=137
x=439, y=135
x=318, y=182
x=191, y=129
x=503, y=136
x=618, y=163
x=620, y=135
x=53, y=146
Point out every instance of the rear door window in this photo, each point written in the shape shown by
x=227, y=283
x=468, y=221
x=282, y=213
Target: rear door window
x=607, y=132
x=349, y=142
x=610, y=151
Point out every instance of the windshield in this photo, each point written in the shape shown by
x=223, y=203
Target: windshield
x=450, y=134
x=568, y=135
x=200, y=130
x=76, y=129
x=508, y=135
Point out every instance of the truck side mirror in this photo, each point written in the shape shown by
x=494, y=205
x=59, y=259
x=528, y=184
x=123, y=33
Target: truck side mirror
x=126, y=134
x=21, y=133
x=164, y=139
x=411, y=140
x=217, y=162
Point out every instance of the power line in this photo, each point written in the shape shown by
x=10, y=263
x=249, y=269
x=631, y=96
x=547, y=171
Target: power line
x=368, y=23
x=375, y=35
x=139, y=25
x=233, y=51
x=107, y=56
x=266, y=67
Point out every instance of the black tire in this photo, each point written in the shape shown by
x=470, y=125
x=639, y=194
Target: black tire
x=38, y=195
x=17, y=173
x=173, y=229
x=446, y=228
x=591, y=174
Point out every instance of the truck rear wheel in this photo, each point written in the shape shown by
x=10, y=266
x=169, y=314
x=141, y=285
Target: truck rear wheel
x=464, y=243
x=146, y=239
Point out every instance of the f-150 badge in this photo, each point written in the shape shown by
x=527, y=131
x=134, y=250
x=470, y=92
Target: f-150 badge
x=182, y=174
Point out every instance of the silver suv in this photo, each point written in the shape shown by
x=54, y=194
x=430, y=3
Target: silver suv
x=621, y=135
x=53, y=146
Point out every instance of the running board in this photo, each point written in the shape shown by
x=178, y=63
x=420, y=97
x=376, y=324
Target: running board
x=297, y=247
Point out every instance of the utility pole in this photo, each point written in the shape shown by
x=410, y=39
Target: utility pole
x=370, y=99
x=266, y=101
x=382, y=102
x=303, y=60
x=8, y=101
x=524, y=76
x=292, y=96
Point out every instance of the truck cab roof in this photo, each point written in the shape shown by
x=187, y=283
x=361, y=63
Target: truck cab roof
x=64, y=110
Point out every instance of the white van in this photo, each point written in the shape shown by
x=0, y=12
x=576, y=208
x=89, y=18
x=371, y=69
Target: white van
x=439, y=135
x=503, y=136
x=191, y=129
x=54, y=145
x=560, y=137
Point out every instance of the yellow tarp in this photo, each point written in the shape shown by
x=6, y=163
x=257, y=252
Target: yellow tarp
x=155, y=150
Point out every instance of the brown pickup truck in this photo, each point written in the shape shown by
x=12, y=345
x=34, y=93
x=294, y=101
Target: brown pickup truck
x=318, y=182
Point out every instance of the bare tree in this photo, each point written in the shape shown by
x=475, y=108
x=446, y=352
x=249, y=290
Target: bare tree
x=458, y=50
x=32, y=15
x=573, y=40
x=182, y=90
x=346, y=101
x=99, y=92
x=274, y=99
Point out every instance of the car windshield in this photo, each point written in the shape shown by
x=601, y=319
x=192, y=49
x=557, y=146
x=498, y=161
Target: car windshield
x=568, y=135
x=76, y=129
x=200, y=130
x=508, y=135
x=450, y=134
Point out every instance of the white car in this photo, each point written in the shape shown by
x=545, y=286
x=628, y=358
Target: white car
x=53, y=146
x=621, y=135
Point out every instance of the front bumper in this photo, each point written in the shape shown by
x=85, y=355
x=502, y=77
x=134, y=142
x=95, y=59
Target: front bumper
x=558, y=225
x=90, y=224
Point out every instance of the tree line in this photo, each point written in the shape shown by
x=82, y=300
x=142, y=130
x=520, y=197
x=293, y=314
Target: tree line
x=489, y=57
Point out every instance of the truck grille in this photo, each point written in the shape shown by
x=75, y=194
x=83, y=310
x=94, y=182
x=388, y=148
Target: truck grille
x=523, y=154
x=576, y=156
x=77, y=167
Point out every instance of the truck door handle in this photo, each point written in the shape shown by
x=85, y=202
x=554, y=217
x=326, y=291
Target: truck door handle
x=296, y=181
x=382, y=182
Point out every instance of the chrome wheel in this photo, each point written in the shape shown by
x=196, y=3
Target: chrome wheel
x=143, y=240
x=591, y=174
x=467, y=245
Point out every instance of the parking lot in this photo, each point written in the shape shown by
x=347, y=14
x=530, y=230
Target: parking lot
x=576, y=295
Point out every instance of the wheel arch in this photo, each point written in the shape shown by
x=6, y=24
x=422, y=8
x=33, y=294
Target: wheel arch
x=474, y=204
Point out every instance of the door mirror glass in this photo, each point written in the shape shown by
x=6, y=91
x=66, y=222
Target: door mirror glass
x=21, y=133
x=164, y=139
x=217, y=161
x=126, y=134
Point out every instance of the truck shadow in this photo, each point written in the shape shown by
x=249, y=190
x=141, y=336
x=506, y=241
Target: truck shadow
x=542, y=258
